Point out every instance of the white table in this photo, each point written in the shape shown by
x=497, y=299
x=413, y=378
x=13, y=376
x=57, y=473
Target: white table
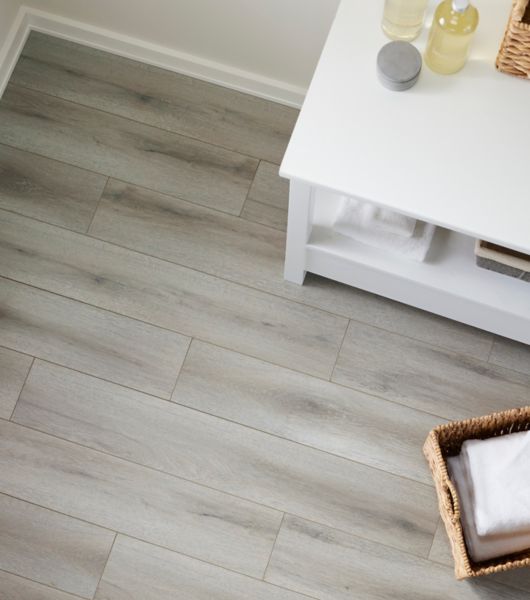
x=453, y=151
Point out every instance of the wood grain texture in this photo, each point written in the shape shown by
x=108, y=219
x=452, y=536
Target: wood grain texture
x=268, y=199
x=157, y=97
x=18, y=588
x=441, y=553
x=139, y=571
x=305, y=409
x=137, y=501
x=89, y=339
x=48, y=190
x=14, y=368
x=510, y=354
x=125, y=149
x=174, y=297
x=330, y=565
x=51, y=548
x=229, y=457
x=253, y=255
x=450, y=385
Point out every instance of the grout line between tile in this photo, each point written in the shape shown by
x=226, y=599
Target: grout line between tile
x=273, y=547
x=339, y=351
x=45, y=585
x=22, y=389
x=96, y=207
x=105, y=565
x=249, y=188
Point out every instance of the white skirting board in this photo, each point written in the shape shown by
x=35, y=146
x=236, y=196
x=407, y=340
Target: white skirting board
x=29, y=19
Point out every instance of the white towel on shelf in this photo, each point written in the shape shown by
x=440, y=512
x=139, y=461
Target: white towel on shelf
x=480, y=548
x=369, y=216
x=415, y=247
x=499, y=471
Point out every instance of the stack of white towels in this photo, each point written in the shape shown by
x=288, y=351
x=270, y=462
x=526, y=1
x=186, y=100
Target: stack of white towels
x=492, y=478
x=381, y=228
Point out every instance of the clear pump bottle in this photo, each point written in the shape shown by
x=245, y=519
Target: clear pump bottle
x=403, y=19
x=454, y=23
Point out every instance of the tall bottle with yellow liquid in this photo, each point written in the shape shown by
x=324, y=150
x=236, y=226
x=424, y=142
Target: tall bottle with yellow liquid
x=453, y=26
x=403, y=19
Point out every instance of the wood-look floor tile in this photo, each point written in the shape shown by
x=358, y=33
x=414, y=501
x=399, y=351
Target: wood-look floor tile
x=306, y=409
x=265, y=215
x=14, y=368
x=51, y=548
x=125, y=149
x=168, y=295
x=510, y=354
x=48, y=190
x=331, y=565
x=140, y=571
x=450, y=385
x=90, y=339
x=135, y=500
x=253, y=255
x=178, y=103
x=13, y=587
x=229, y=457
x=441, y=553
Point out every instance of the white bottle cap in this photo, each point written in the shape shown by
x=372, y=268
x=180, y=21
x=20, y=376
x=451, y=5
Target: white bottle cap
x=460, y=5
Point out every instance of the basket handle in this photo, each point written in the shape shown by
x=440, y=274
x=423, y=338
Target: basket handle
x=450, y=500
x=519, y=9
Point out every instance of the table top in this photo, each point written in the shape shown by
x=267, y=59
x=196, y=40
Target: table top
x=454, y=150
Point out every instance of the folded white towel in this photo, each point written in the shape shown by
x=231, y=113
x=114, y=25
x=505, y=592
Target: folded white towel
x=369, y=216
x=480, y=548
x=414, y=247
x=499, y=471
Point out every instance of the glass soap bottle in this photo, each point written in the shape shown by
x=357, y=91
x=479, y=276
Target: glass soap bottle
x=453, y=26
x=403, y=19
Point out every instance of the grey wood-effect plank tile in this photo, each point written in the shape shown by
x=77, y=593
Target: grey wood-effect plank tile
x=253, y=255
x=229, y=457
x=14, y=368
x=157, y=97
x=140, y=571
x=450, y=385
x=305, y=409
x=330, y=565
x=13, y=587
x=89, y=339
x=441, y=553
x=137, y=501
x=51, y=548
x=180, y=299
x=48, y=190
x=510, y=354
x=125, y=149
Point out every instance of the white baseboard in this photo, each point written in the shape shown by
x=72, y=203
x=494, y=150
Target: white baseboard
x=29, y=19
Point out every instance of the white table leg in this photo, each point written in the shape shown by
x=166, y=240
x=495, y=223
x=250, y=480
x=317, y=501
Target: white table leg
x=298, y=231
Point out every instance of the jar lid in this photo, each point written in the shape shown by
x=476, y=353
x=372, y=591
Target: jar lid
x=399, y=65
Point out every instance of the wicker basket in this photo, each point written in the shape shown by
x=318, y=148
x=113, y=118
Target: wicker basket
x=514, y=55
x=446, y=440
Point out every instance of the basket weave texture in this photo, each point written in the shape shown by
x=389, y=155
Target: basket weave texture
x=446, y=440
x=514, y=55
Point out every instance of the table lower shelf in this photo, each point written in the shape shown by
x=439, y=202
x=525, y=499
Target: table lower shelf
x=448, y=283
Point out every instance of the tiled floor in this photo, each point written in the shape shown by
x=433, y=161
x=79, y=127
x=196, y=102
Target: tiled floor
x=176, y=421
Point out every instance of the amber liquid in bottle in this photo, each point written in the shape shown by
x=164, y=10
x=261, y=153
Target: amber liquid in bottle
x=455, y=22
x=403, y=19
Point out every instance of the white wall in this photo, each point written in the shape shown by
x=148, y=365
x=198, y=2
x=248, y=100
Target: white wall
x=8, y=12
x=277, y=39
